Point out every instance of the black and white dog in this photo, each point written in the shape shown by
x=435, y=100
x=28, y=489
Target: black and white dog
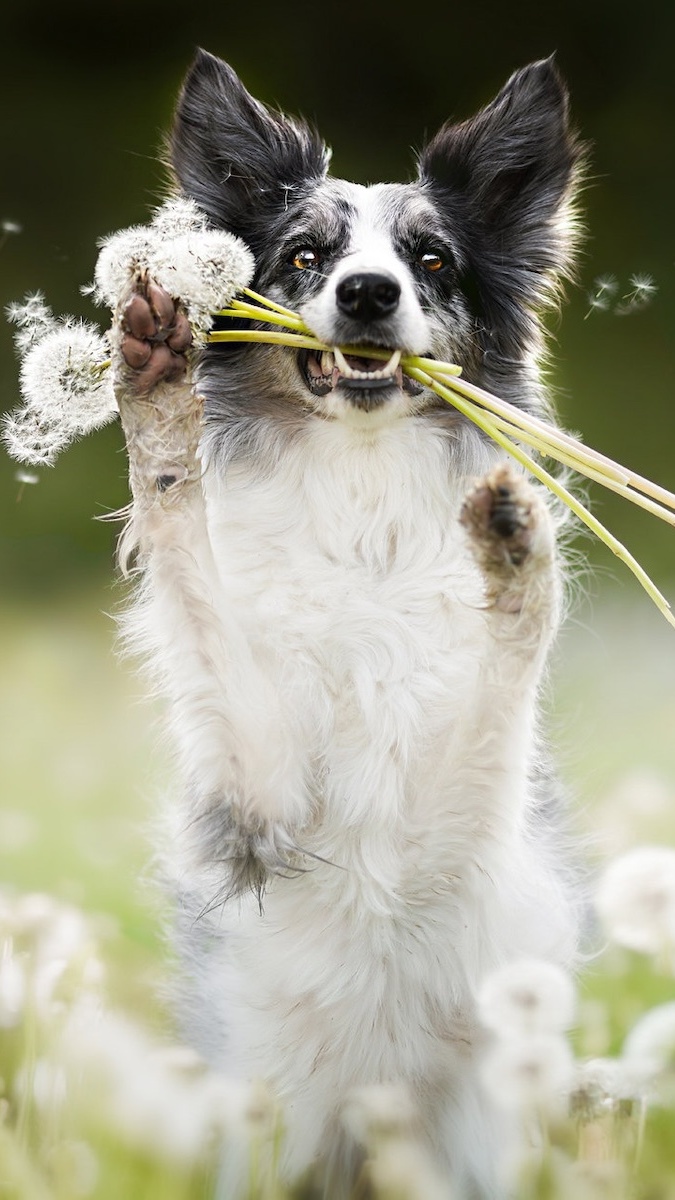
x=348, y=597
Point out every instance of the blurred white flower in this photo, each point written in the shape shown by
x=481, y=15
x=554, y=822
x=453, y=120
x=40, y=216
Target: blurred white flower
x=141, y=1094
x=74, y=1167
x=529, y=1074
x=635, y=900
x=527, y=996
x=384, y=1120
x=381, y=1109
x=599, y=1085
x=12, y=986
x=649, y=1052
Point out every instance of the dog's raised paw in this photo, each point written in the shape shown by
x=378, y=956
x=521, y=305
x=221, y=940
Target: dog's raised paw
x=155, y=335
x=500, y=513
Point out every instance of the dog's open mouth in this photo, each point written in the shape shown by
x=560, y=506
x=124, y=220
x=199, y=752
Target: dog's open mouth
x=357, y=375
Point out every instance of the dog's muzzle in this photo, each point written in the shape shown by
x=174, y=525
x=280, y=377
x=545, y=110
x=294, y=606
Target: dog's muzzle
x=364, y=300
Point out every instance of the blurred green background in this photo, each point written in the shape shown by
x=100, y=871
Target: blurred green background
x=87, y=92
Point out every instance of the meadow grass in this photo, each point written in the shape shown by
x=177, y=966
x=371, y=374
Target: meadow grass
x=99, y=1099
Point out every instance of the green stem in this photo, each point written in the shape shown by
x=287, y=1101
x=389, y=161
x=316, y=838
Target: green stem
x=490, y=428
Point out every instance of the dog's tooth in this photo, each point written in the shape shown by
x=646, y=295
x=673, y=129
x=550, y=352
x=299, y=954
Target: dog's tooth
x=342, y=364
x=327, y=362
x=385, y=372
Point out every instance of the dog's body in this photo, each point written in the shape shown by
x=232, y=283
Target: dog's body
x=350, y=631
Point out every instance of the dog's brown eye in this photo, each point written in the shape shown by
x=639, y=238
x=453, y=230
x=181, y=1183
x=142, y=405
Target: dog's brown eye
x=306, y=258
x=431, y=262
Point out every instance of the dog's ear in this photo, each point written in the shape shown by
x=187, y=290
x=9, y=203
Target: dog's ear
x=509, y=170
x=240, y=160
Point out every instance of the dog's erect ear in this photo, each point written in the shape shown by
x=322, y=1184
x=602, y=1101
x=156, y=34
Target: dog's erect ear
x=510, y=170
x=238, y=159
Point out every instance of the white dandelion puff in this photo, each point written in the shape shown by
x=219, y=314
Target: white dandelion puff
x=179, y=216
x=121, y=255
x=202, y=267
x=635, y=900
x=529, y=1074
x=11, y=227
x=527, y=996
x=65, y=392
x=648, y=1053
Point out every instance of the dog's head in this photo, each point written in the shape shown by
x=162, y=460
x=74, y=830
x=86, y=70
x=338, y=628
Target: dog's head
x=455, y=265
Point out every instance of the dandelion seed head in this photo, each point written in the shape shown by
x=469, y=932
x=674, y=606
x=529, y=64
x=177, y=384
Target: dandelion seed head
x=179, y=216
x=122, y=255
x=527, y=996
x=65, y=394
x=204, y=269
x=200, y=266
x=11, y=227
x=533, y=1073
x=635, y=899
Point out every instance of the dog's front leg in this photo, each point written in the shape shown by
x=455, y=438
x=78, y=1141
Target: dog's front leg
x=512, y=535
x=227, y=728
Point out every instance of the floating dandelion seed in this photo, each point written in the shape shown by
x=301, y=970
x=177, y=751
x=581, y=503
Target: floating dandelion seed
x=642, y=291
x=636, y=900
x=527, y=996
x=600, y=297
x=8, y=229
x=34, y=319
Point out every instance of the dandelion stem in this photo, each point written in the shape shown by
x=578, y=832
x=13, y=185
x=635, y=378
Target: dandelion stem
x=489, y=427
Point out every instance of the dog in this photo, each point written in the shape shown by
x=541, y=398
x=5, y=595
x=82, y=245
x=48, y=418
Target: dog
x=347, y=596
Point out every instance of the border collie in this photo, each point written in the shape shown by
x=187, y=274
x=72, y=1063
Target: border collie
x=347, y=597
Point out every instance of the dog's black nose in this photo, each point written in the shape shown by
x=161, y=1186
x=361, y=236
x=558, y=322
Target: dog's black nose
x=367, y=295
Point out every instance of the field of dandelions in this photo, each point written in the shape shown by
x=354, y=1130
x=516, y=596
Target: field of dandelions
x=99, y=1097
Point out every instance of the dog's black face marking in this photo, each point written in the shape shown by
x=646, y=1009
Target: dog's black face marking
x=476, y=244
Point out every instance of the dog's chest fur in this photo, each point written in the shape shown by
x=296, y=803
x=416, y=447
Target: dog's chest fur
x=356, y=619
